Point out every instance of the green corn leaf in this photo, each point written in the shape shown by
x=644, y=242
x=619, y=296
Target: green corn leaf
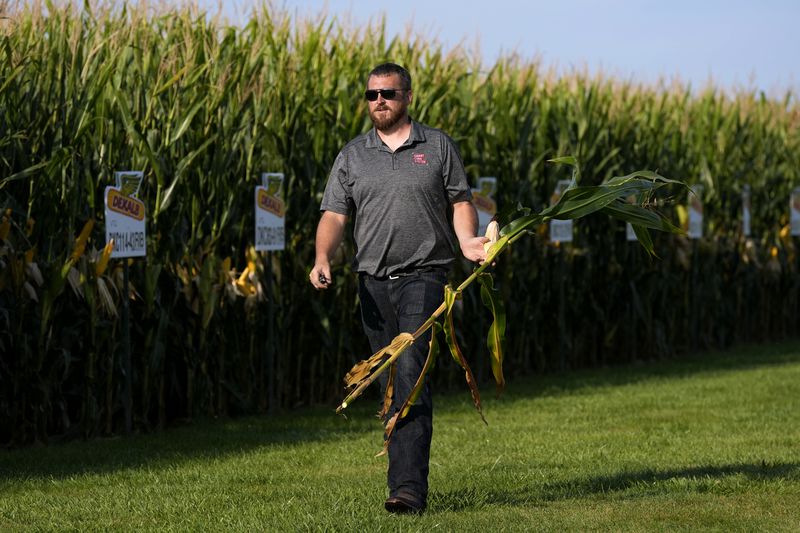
x=51, y=167
x=450, y=297
x=455, y=350
x=174, y=79
x=644, y=238
x=581, y=201
x=639, y=216
x=88, y=115
x=413, y=396
x=648, y=175
x=11, y=77
x=136, y=135
x=430, y=362
x=573, y=162
x=641, y=219
x=566, y=160
x=24, y=173
x=181, y=170
x=187, y=121
x=518, y=225
x=495, y=339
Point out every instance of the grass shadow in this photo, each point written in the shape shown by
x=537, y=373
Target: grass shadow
x=703, y=477
x=751, y=356
x=219, y=438
x=540, y=495
x=202, y=438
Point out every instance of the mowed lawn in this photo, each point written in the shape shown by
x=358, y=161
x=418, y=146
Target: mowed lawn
x=709, y=442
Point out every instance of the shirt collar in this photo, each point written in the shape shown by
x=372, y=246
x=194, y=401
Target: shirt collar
x=416, y=135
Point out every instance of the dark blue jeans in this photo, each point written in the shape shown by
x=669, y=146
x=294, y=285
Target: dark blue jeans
x=388, y=308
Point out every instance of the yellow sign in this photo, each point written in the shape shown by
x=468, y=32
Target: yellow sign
x=125, y=205
x=271, y=203
x=484, y=203
x=125, y=216
x=270, y=213
x=560, y=230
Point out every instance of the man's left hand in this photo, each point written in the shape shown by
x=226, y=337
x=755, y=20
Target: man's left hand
x=473, y=250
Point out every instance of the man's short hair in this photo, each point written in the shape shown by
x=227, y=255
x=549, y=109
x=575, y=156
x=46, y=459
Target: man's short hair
x=387, y=69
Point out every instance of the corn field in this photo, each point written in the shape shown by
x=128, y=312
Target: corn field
x=203, y=108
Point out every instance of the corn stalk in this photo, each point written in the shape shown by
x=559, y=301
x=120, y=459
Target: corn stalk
x=202, y=108
x=610, y=198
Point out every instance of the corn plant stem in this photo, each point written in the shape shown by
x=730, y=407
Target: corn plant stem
x=126, y=350
x=367, y=382
x=416, y=335
x=435, y=316
x=442, y=308
x=270, y=362
x=403, y=411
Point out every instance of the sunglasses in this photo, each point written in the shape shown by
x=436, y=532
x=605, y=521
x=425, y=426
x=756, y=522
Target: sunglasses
x=388, y=94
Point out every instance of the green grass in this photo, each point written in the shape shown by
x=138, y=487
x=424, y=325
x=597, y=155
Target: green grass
x=705, y=443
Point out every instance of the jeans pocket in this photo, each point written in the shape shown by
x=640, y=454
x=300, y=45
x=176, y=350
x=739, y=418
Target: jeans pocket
x=422, y=294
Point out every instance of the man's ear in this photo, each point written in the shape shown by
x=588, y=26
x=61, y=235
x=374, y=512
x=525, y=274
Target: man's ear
x=410, y=95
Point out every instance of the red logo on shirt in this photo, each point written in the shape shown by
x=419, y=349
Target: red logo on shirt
x=419, y=159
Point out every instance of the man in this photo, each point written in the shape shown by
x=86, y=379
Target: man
x=405, y=183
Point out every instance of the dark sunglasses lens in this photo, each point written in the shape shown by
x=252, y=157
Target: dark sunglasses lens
x=388, y=94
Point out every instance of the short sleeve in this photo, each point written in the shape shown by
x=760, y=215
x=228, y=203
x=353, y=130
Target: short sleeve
x=453, y=174
x=338, y=192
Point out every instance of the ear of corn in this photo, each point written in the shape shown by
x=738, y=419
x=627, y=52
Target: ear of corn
x=492, y=233
x=102, y=262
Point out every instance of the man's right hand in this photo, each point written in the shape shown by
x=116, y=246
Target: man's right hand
x=330, y=232
x=320, y=276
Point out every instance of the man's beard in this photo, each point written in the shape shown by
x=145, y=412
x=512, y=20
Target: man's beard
x=387, y=122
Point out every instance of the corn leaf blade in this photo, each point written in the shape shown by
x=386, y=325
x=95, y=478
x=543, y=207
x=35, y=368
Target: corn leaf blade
x=455, y=350
x=495, y=339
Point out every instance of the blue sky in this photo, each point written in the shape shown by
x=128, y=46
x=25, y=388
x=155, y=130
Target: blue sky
x=740, y=44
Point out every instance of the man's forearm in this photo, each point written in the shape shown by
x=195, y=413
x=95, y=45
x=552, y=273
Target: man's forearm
x=465, y=224
x=330, y=233
x=465, y=221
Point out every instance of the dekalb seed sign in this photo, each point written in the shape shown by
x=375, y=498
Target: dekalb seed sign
x=270, y=210
x=483, y=200
x=125, y=216
x=560, y=230
x=125, y=205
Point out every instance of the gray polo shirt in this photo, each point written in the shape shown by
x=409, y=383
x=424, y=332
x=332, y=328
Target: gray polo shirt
x=401, y=200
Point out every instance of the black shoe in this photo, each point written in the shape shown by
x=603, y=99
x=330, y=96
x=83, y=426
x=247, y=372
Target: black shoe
x=403, y=505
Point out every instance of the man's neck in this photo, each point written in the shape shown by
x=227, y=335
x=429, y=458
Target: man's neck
x=395, y=136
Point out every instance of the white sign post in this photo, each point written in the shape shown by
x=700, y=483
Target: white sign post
x=696, y=212
x=126, y=225
x=794, y=206
x=483, y=200
x=270, y=213
x=125, y=216
x=560, y=230
x=270, y=234
x=630, y=235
